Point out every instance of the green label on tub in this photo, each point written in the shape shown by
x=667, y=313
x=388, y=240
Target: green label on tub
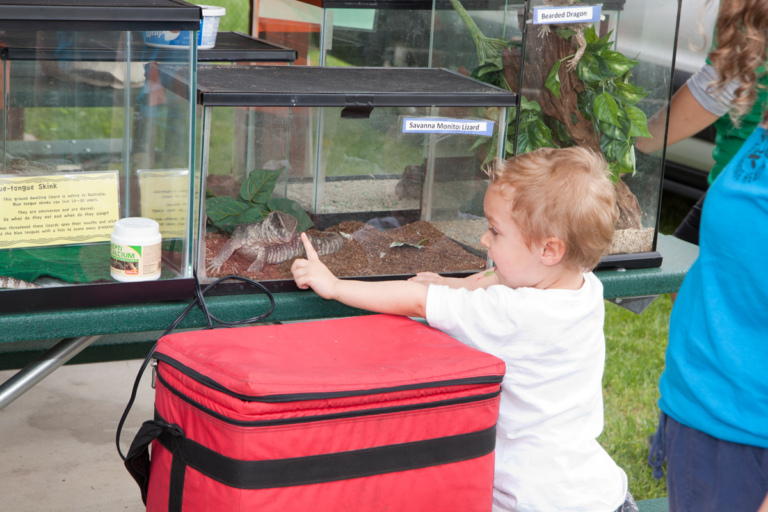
x=135, y=261
x=130, y=253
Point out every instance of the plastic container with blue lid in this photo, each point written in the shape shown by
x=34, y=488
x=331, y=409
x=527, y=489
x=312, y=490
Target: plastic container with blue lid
x=206, y=36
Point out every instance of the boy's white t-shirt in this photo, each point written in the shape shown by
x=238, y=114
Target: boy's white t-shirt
x=552, y=341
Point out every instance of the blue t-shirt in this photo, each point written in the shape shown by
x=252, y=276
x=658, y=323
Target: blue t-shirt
x=716, y=375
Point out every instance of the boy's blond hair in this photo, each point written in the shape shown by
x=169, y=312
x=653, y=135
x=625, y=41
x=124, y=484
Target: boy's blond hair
x=564, y=193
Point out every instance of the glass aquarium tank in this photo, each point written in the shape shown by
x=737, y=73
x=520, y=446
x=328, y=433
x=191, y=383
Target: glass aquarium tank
x=381, y=33
x=381, y=167
x=239, y=48
x=90, y=137
x=587, y=73
x=590, y=74
x=342, y=33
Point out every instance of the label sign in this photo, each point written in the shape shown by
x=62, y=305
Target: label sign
x=564, y=15
x=165, y=198
x=57, y=209
x=434, y=125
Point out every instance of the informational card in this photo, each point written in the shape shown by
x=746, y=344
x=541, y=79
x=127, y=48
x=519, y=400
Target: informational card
x=57, y=209
x=447, y=126
x=564, y=15
x=165, y=198
x=356, y=19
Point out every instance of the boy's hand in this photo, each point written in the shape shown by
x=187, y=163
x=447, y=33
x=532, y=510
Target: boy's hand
x=391, y=297
x=312, y=273
x=482, y=279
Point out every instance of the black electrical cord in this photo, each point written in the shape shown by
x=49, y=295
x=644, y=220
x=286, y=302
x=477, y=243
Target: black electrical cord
x=199, y=300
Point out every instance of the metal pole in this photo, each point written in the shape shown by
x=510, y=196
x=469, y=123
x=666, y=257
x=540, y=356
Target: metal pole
x=41, y=367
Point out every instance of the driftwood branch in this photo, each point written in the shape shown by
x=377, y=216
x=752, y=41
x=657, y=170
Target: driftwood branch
x=542, y=53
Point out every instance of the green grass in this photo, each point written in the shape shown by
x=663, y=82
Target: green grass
x=635, y=346
x=236, y=17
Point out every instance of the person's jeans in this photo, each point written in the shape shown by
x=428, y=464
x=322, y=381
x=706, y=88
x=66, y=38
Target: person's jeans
x=706, y=474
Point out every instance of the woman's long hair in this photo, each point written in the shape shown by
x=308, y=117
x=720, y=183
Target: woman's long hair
x=742, y=39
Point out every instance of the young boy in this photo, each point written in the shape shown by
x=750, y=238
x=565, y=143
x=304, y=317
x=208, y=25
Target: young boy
x=550, y=216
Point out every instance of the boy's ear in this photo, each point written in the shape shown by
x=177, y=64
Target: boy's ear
x=552, y=251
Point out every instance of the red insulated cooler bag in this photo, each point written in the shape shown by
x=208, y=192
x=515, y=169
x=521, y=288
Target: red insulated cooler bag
x=371, y=413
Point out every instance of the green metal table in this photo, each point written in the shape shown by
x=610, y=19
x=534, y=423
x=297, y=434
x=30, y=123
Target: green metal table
x=129, y=331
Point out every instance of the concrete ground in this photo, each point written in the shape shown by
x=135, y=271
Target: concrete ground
x=57, y=440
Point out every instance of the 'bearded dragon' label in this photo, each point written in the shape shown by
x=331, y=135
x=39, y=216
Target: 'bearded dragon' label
x=564, y=15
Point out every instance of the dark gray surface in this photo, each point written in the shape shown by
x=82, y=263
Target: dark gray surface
x=329, y=86
x=99, y=15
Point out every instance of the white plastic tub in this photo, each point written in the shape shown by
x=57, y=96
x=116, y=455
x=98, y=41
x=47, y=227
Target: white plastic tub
x=206, y=36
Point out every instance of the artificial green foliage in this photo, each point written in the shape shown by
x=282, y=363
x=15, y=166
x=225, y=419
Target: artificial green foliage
x=608, y=100
x=489, y=50
x=490, y=144
x=533, y=130
x=254, y=202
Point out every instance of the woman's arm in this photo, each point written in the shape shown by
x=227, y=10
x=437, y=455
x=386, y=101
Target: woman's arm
x=686, y=118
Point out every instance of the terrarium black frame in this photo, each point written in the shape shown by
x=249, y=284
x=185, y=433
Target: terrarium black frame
x=542, y=64
x=88, y=19
x=578, y=89
x=355, y=93
x=624, y=117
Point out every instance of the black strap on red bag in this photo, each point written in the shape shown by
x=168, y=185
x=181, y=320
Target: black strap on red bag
x=137, y=459
x=314, y=469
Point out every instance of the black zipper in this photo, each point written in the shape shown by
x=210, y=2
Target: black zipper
x=299, y=397
x=325, y=417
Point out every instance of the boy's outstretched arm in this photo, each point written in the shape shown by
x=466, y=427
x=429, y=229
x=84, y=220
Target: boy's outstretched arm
x=482, y=279
x=393, y=297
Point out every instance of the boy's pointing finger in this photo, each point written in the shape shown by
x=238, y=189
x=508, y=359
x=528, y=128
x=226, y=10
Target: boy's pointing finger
x=309, y=248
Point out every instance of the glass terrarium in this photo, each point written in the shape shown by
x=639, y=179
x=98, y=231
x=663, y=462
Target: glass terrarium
x=236, y=47
x=589, y=74
x=381, y=167
x=592, y=75
x=89, y=137
x=382, y=33
x=341, y=33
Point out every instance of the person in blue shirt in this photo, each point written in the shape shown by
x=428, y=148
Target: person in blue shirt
x=694, y=107
x=713, y=430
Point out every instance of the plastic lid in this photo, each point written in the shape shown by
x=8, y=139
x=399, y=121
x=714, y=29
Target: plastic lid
x=98, y=15
x=212, y=10
x=136, y=226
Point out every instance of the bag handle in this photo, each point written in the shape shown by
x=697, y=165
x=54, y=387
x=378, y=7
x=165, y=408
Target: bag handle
x=137, y=460
x=199, y=300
